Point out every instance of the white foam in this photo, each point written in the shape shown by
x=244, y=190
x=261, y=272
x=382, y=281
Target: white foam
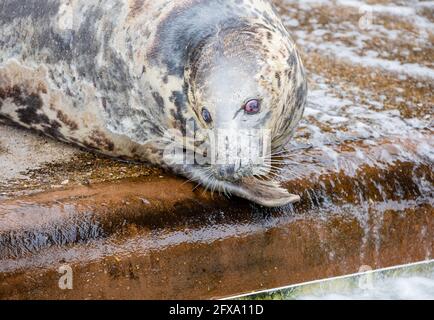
x=343, y=52
x=400, y=288
x=378, y=8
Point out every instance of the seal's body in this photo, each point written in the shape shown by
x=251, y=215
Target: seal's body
x=116, y=76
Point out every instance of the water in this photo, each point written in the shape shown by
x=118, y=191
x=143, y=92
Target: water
x=407, y=282
x=400, y=288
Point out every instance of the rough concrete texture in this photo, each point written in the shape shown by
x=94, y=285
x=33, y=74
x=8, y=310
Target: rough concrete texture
x=361, y=160
x=21, y=151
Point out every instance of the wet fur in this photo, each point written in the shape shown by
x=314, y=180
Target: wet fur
x=113, y=76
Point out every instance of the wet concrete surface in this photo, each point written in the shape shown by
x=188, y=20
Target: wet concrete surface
x=361, y=161
x=133, y=239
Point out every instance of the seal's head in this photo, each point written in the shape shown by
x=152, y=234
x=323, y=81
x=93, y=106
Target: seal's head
x=247, y=88
x=232, y=68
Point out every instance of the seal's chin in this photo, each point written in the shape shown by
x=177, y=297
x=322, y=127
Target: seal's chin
x=265, y=193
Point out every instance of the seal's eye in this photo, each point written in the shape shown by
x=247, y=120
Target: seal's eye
x=206, y=115
x=252, y=106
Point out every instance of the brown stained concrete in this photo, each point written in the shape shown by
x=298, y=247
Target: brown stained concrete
x=33, y=163
x=419, y=100
x=300, y=250
x=157, y=238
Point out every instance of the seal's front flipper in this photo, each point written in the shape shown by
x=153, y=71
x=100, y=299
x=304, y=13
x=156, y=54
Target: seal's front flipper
x=265, y=193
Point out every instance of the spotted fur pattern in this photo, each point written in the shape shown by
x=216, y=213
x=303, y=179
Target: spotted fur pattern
x=114, y=76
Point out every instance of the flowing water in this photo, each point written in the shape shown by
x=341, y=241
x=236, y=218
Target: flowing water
x=408, y=282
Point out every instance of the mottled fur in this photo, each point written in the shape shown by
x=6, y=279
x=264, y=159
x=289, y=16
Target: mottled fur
x=114, y=76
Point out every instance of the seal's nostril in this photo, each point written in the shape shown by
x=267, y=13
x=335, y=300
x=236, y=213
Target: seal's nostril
x=226, y=170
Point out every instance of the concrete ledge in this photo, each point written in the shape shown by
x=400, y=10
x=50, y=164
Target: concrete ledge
x=156, y=238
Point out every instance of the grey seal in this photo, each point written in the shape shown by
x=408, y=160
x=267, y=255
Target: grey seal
x=116, y=76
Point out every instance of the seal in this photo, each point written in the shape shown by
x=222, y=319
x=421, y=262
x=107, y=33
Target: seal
x=156, y=81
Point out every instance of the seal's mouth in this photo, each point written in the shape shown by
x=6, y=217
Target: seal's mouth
x=267, y=193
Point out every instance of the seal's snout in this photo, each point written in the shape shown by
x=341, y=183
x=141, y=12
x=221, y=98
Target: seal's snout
x=226, y=170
